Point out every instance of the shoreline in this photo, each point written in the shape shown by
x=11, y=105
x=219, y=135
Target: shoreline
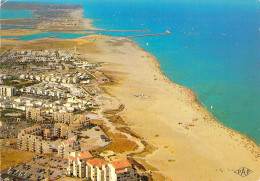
x=196, y=100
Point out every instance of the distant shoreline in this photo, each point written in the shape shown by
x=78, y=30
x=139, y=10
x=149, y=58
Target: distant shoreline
x=40, y=15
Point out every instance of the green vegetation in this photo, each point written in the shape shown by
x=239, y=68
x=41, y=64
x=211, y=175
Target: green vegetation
x=19, y=83
x=11, y=110
x=5, y=65
x=91, y=77
x=91, y=109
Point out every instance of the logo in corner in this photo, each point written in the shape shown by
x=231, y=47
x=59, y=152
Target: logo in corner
x=243, y=171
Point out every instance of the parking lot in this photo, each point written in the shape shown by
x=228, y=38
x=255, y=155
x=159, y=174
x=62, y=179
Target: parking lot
x=37, y=169
x=54, y=162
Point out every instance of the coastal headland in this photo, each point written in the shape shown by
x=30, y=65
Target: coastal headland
x=181, y=140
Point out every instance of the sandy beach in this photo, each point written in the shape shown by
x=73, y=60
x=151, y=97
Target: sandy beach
x=190, y=144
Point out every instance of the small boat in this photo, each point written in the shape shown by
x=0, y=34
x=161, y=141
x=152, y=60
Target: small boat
x=211, y=107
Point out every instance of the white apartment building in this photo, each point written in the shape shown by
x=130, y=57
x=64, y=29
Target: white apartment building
x=94, y=169
x=77, y=164
x=8, y=91
x=82, y=165
x=121, y=170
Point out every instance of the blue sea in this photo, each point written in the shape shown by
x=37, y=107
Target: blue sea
x=214, y=49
